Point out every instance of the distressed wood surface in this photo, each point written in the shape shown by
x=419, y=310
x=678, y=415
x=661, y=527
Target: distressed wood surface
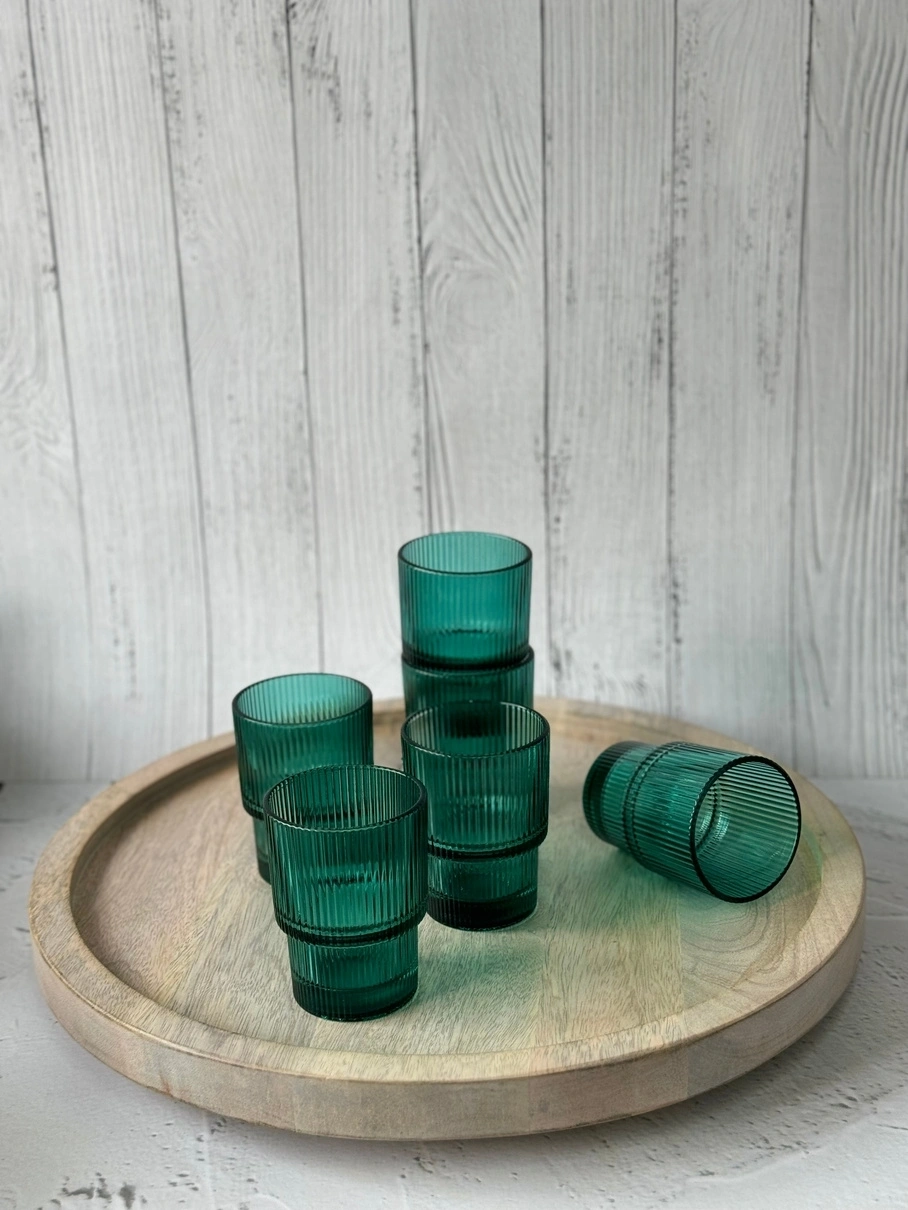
x=738, y=187
x=230, y=127
x=608, y=95
x=100, y=95
x=478, y=73
x=45, y=638
x=330, y=275
x=353, y=98
x=851, y=523
x=156, y=946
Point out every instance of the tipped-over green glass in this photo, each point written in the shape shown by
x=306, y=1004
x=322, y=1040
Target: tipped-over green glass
x=485, y=766
x=721, y=821
x=425, y=687
x=348, y=877
x=465, y=599
x=288, y=723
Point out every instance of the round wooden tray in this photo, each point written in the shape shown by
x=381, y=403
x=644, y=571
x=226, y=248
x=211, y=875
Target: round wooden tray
x=156, y=948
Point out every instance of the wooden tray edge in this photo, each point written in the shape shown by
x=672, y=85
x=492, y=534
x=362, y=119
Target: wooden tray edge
x=164, y=1063
x=459, y=1109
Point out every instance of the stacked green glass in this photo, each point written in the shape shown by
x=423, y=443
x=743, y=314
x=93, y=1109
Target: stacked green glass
x=721, y=821
x=349, y=882
x=289, y=723
x=485, y=766
x=465, y=619
x=425, y=687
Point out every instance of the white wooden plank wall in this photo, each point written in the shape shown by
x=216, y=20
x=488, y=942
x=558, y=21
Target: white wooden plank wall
x=226, y=69
x=740, y=112
x=356, y=162
x=284, y=284
x=99, y=88
x=45, y=639
x=479, y=114
x=851, y=515
x=608, y=84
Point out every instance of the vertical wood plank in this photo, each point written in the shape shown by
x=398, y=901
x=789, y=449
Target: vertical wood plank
x=479, y=116
x=44, y=630
x=100, y=91
x=230, y=126
x=851, y=535
x=355, y=149
x=738, y=192
x=608, y=83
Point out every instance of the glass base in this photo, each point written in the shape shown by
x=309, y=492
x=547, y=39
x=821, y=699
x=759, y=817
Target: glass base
x=478, y=917
x=354, y=982
x=487, y=893
x=354, y=1004
x=262, y=848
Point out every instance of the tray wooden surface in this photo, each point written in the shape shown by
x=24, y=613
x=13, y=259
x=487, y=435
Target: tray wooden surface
x=156, y=947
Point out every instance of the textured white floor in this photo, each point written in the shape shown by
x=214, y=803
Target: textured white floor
x=824, y=1125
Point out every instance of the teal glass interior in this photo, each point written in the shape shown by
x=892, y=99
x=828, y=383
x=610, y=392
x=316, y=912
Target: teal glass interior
x=485, y=766
x=349, y=882
x=289, y=723
x=426, y=687
x=725, y=823
x=465, y=599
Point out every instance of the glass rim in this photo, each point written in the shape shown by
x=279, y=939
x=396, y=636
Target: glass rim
x=240, y=712
x=543, y=735
x=420, y=799
x=525, y=558
x=744, y=758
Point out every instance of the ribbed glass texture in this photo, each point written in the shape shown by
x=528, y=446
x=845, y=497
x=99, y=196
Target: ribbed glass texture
x=262, y=855
x=352, y=982
x=289, y=723
x=726, y=823
x=349, y=880
x=465, y=599
x=485, y=766
x=425, y=687
x=489, y=894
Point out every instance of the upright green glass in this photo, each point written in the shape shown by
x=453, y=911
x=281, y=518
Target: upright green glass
x=349, y=881
x=485, y=766
x=425, y=687
x=465, y=599
x=725, y=823
x=289, y=723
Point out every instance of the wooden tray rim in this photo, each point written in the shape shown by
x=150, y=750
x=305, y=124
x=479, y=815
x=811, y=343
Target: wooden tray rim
x=64, y=959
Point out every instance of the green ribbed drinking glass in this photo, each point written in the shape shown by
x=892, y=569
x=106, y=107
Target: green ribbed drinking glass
x=485, y=766
x=288, y=723
x=465, y=599
x=721, y=821
x=349, y=881
x=425, y=687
